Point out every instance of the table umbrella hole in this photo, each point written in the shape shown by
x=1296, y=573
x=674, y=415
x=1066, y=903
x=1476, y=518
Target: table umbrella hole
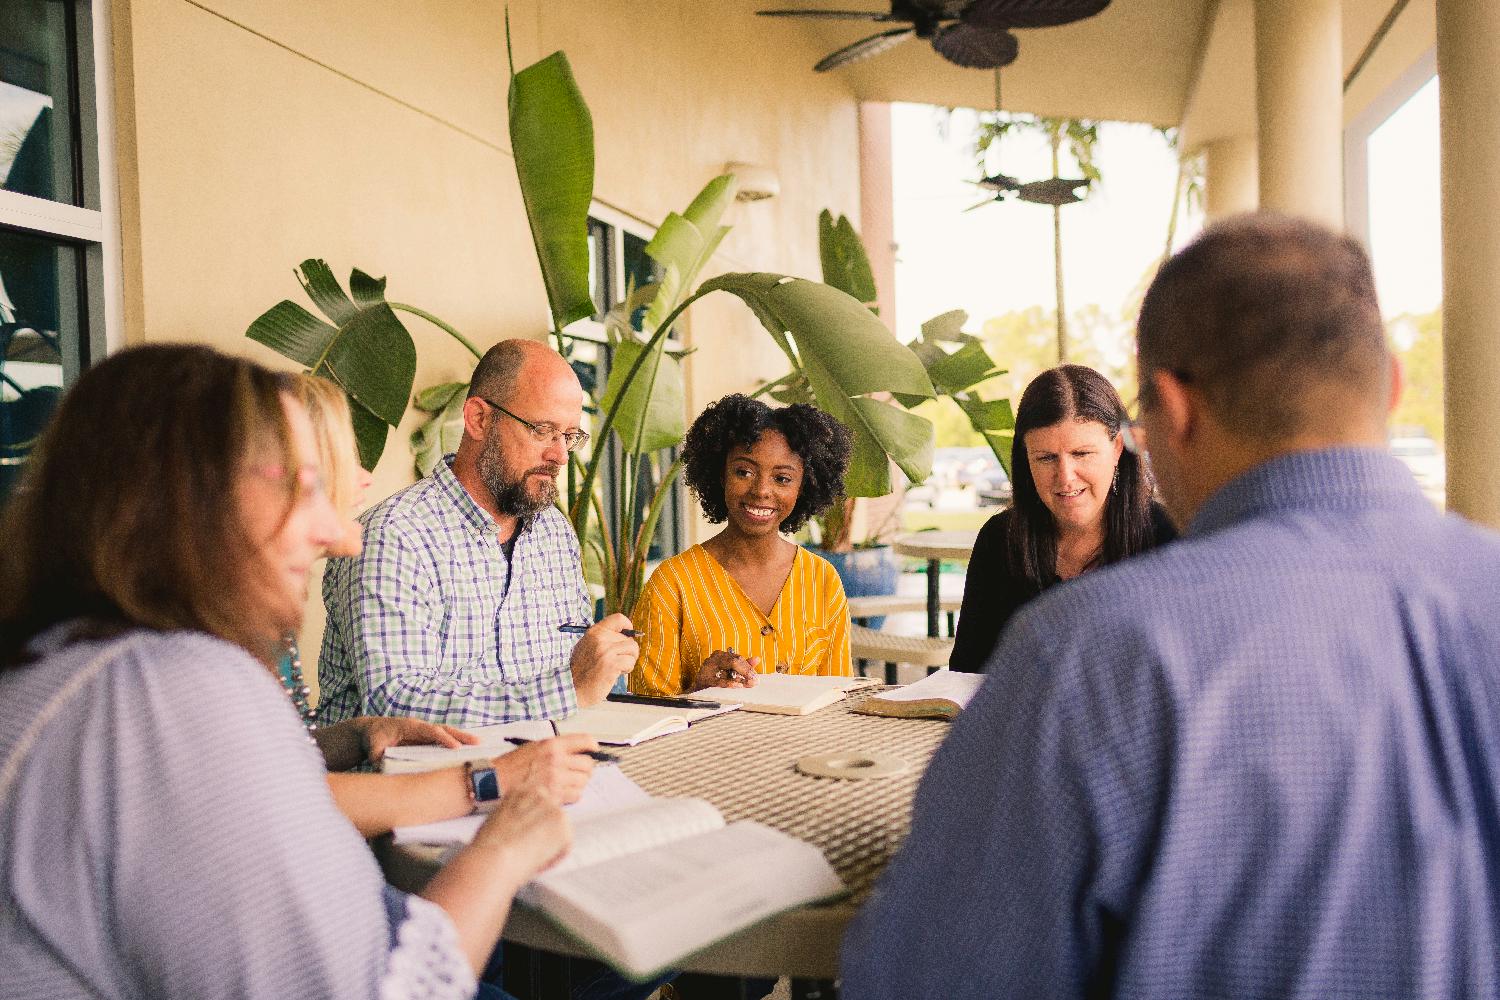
x=852, y=765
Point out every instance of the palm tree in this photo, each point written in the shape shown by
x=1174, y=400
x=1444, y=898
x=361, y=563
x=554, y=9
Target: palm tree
x=1081, y=137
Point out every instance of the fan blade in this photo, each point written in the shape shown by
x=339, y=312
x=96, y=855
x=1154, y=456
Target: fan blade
x=829, y=15
x=1055, y=191
x=976, y=48
x=987, y=201
x=998, y=182
x=1029, y=13
x=864, y=49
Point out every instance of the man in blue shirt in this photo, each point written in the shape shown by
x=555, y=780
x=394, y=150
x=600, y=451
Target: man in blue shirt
x=1263, y=761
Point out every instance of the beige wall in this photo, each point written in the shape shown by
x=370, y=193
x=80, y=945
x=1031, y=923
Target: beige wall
x=255, y=133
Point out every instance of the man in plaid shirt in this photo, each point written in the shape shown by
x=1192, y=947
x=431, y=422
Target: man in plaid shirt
x=452, y=611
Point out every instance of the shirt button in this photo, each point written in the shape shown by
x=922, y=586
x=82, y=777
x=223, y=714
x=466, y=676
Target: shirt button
x=783, y=667
x=766, y=630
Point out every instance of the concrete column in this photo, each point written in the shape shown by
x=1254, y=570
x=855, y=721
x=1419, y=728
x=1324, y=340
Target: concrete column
x=1299, y=105
x=1468, y=57
x=877, y=210
x=1232, y=181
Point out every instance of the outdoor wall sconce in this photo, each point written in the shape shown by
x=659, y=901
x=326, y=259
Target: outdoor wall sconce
x=756, y=183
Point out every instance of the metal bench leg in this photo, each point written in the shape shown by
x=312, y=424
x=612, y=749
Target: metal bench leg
x=890, y=672
x=952, y=624
x=862, y=667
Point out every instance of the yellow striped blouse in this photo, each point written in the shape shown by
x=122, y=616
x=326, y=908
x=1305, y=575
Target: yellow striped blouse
x=692, y=607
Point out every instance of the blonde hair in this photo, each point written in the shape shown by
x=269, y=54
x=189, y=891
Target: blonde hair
x=333, y=431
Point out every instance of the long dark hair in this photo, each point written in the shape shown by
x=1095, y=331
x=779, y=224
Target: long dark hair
x=1072, y=392
x=127, y=513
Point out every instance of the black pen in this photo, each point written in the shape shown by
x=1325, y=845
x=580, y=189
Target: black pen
x=602, y=756
x=634, y=633
x=664, y=701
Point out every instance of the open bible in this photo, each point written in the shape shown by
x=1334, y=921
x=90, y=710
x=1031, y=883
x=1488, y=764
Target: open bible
x=647, y=885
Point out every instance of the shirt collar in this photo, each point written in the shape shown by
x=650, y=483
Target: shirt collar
x=1331, y=479
x=476, y=516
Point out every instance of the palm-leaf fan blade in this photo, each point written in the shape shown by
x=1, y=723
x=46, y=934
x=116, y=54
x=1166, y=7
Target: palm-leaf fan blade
x=1030, y=13
x=976, y=48
x=864, y=49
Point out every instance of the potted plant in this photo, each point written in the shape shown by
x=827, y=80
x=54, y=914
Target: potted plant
x=956, y=363
x=840, y=356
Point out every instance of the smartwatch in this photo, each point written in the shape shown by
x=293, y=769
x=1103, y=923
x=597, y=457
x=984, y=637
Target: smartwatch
x=483, y=786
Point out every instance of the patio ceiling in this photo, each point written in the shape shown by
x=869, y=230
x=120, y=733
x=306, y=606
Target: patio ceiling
x=1166, y=62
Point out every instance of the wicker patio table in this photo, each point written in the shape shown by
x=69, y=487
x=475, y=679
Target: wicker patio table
x=743, y=763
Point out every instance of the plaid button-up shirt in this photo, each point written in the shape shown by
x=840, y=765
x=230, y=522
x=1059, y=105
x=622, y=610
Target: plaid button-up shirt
x=433, y=621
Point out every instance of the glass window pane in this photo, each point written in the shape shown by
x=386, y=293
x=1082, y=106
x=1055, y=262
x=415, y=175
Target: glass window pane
x=40, y=341
x=36, y=113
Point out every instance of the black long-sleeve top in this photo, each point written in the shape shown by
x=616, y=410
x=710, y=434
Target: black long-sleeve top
x=992, y=592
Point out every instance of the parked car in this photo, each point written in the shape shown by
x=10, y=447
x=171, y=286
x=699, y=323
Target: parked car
x=1425, y=460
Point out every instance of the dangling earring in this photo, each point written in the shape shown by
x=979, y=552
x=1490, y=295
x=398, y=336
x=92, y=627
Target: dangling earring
x=1115, y=484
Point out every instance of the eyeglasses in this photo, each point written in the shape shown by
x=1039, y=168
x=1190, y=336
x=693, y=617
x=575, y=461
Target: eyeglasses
x=544, y=433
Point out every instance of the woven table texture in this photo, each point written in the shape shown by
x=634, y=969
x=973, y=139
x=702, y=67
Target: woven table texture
x=744, y=763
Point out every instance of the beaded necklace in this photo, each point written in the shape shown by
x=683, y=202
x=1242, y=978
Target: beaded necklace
x=292, y=683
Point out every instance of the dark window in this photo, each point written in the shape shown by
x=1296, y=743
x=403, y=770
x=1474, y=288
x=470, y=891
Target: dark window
x=51, y=282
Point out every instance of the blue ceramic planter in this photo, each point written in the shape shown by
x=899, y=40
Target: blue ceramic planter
x=867, y=572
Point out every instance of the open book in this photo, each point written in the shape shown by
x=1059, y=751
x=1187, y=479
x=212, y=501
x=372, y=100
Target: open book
x=626, y=724
x=787, y=694
x=645, y=886
x=941, y=695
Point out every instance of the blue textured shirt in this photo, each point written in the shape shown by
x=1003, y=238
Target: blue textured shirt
x=432, y=620
x=1260, y=762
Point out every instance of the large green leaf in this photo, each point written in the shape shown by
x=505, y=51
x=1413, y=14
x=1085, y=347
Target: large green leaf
x=963, y=369
x=293, y=332
x=367, y=352
x=846, y=266
x=369, y=435
x=656, y=389
x=684, y=243
x=440, y=434
x=552, y=137
x=846, y=353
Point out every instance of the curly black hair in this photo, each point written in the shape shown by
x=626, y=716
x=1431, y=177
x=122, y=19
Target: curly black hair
x=819, y=440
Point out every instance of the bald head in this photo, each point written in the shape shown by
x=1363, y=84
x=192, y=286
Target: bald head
x=513, y=363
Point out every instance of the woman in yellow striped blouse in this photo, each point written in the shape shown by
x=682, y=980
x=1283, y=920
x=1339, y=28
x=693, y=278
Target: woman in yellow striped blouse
x=749, y=601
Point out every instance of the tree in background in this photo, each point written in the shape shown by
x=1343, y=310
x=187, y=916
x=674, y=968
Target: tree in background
x=1081, y=137
x=1418, y=344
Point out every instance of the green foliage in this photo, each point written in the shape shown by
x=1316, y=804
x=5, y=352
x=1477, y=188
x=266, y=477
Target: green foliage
x=363, y=348
x=1418, y=344
x=845, y=264
x=552, y=139
x=440, y=435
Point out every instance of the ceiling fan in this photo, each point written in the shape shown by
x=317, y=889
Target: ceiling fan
x=974, y=34
x=1054, y=191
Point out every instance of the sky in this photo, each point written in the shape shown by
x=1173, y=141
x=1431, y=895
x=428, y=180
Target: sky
x=998, y=258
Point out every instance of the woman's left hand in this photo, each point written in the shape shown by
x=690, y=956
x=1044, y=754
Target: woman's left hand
x=379, y=732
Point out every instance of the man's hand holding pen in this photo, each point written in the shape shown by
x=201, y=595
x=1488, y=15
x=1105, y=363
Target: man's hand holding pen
x=606, y=651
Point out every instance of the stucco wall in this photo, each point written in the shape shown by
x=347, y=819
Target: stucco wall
x=255, y=133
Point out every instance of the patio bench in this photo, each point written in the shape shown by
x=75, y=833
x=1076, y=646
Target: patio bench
x=868, y=645
x=862, y=609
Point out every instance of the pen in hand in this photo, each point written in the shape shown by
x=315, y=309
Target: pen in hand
x=571, y=629
x=602, y=756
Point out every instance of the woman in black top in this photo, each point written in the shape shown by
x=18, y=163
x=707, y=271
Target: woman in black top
x=1081, y=501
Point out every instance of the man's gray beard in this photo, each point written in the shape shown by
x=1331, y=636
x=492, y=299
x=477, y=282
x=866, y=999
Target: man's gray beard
x=511, y=497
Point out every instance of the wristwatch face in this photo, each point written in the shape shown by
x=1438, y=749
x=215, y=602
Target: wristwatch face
x=486, y=785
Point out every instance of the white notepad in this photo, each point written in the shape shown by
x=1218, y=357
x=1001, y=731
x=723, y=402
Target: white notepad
x=787, y=694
